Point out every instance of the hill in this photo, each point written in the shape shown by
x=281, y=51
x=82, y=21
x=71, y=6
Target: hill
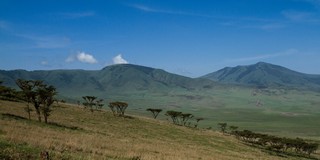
x=265, y=75
x=75, y=133
x=115, y=80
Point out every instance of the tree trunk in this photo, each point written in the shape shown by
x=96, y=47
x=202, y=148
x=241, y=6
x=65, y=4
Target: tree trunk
x=38, y=113
x=45, y=119
x=29, y=111
x=39, y=116
x=29, y=114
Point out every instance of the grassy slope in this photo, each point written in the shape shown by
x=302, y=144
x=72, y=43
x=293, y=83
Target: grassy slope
x=77, y=134
x=283, y=112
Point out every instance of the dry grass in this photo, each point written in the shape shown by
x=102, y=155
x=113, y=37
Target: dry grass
x=76, y=133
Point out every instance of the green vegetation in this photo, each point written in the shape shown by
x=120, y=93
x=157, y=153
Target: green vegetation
x=281, y=111
x=7, y=93
x=40, y=95
x=11, y=151
x=91, y=101
x=265, y=75
x=286, y=145
x=223, y=127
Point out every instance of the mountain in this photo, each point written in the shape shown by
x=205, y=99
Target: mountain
x=116, y=79
x=265, y=75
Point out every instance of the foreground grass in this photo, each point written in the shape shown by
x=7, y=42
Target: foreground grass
x=75, y=133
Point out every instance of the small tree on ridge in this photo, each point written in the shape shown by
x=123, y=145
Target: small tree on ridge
x=155, y=112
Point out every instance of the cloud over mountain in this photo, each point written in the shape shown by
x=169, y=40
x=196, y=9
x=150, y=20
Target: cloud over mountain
x=82, y=57
x=119, y=60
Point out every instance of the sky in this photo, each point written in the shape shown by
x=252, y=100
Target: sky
x=186, y=37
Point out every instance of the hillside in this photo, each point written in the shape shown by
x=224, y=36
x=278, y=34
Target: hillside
x=286, y=112
x=115, y=79
x=265, y=75
x=75, y=133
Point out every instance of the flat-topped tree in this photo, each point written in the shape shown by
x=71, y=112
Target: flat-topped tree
x=198, y=120
x=174, y=115
x=99, y=104
x=185, y=118
x=233, y=129
x=118, y=108
x=89, y=102
x=155, y=112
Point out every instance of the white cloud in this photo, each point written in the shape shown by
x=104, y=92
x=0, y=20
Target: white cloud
x=119, y=60
x=86, y=58
x=82, y=57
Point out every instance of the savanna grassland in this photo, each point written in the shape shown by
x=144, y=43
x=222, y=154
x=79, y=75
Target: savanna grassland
x=283, y=112
x=76, y=133
x=288, y=107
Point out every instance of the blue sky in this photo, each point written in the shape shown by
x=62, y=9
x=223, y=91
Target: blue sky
x=187, y=37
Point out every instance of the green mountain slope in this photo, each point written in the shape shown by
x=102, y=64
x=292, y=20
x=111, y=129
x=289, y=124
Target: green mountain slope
x=115, y=79
x=265, y=75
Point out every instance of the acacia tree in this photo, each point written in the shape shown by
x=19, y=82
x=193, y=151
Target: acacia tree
x=155, y=112
x=185, y=117
x=29, y=90
x=118, y=108
x=174, y=115
x=233, y=129
x=271, y=142
x=223, y=127
x=26, y=88
x=46, y=94
x=99, y=104
x=198, y=120
x=39, y=94
x=89, y=102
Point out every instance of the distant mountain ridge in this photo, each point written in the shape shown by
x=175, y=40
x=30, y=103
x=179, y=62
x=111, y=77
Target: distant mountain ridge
x=123, y=78
x=127, y=78
x=265, y=75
